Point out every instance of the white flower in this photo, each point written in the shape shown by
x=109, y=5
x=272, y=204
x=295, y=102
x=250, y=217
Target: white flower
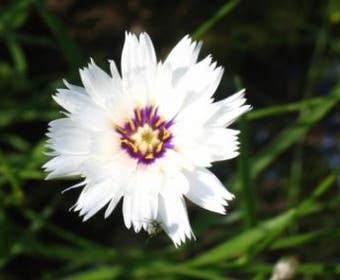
x=285, y=268
x=147, y=136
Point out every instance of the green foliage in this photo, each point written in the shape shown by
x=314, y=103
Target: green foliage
x=248, y=242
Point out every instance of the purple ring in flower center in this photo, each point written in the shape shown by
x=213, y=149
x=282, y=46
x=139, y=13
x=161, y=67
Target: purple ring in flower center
x=146, y=136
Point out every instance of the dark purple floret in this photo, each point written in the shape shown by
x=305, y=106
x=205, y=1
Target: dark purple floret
x=146, y=116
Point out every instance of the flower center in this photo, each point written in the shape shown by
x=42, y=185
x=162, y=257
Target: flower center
x=145, y=136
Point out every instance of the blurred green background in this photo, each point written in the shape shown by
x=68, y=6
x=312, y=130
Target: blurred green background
x=285, y=53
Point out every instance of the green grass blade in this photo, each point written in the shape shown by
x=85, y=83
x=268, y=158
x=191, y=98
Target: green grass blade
x=319, y=269
x=14, y=15
x=185, y=271
x=101, y=273
x=24, y=240
x=300, y=239
x=9, y=173
x=246, y=190
x=248, y=195
x=71, y=52
x=246, y=240
x=207, y=25
x=293, y=133
x=9, y=116
x=309, y=269
x=18, y=57
x=242, y=243
x=284, y=109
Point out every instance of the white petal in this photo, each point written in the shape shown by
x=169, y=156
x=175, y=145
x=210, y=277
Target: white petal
x=207, y=191
x=116, y=79
x=66, y=137
x=175, y=184
x=72, y=99
x=98, y=84
x=162, y=92
x=188, y=141
x=191, y=114
x=113, y=203
x=127, y=210
x=144, y=180
x=63, y=166
x=95, y=197
x=201, y=80
x=78, y=185
x=96, y=169
x=174, y=220
x=184, y=54
x=105, y=144
x=83, y=110
x=203, y=158
x=138, y=55
x=172, y=162
x=74, y=87
x=144, y=210
x=229, y=109
x=221, y=143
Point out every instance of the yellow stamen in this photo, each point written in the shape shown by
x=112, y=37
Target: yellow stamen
x=159, y=148
x=166, y=134
x=152, y=112
x=149, y=156
x=132, y=125
x=139, y=115
x=120, y=129
x=159, y=122
x=130, y=144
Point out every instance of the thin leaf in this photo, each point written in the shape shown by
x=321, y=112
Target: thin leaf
x=284, y=109
x=294, y=132
x=71, y=52
x=242, y=243
x=101, y=273
x=207, y=25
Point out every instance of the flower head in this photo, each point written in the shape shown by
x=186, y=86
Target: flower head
x=146, y=136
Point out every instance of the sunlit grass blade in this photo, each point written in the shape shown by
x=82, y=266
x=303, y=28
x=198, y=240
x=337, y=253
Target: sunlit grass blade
x=242, y=243
x=185, y=271
x=106, y=272
x=301, y=239
x=284, y=109
x=310, y=269
x=294, y=132
x=319, y=269
x=239, y=245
